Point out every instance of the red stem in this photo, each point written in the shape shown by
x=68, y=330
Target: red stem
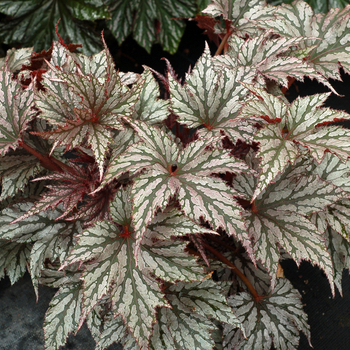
x=245, y=280
x=46, y=161
x=223, y=42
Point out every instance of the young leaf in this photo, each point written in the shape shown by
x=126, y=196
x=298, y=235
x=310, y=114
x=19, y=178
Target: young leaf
x=15, y=111
x=69, y=189
x=276, y=319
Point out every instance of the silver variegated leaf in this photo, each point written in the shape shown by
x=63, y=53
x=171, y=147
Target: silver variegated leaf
x=210, y=97
x=15, y=58
x=16, y=110
x=122, y=140
x=170, y=170
x=51, y=239
x=338, y=217
x=115, y=331
x=333, y=139
x=86, y=105
x=237, y=11
x=339, y=248
x=149, y=107
x=255, y=273
x=268, y=57
x=112, y=271
x=302, y=122
x=179, y=327
x=166, y=258
x=196, y=200
x=270, y=229
x=329, y=32
x=332, y=169
x=275, y=319
x=207, y=299
x=63, y=315
x=171, y=222
x=16, y=171
x=13, y=259
x=51, y=277
x=297, y=191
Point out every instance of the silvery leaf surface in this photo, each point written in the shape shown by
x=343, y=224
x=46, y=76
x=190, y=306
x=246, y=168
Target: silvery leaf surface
x=171, y=222
x=115, y=331
x=179, y=327
x=16, y=170
x=269, y=57
x=84, y=107
x=111, y=269
x=149, y=107
x=166, y=258
x=338, y=217
x=237, y=11
x=328, y=31
x=339, y=249
x=272, y=228
x=15, y=58
x=51, y=239
x=63, y=315
x=15, y=110
x=207, y=299
x=275, y=319
x=182, y=172
x=255, y=273
x=210, y=97
x=158, y=150
x=295, y=190
x=13, y=259
x=302, y=122
x=332, y=169
x=52, y=277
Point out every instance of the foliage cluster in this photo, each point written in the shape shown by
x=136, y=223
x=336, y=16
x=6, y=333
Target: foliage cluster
x=162, y=222
x=151, y=21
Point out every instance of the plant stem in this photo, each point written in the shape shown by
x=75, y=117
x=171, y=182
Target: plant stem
x=245, y=280
x=222, y=44
x=46, y=161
